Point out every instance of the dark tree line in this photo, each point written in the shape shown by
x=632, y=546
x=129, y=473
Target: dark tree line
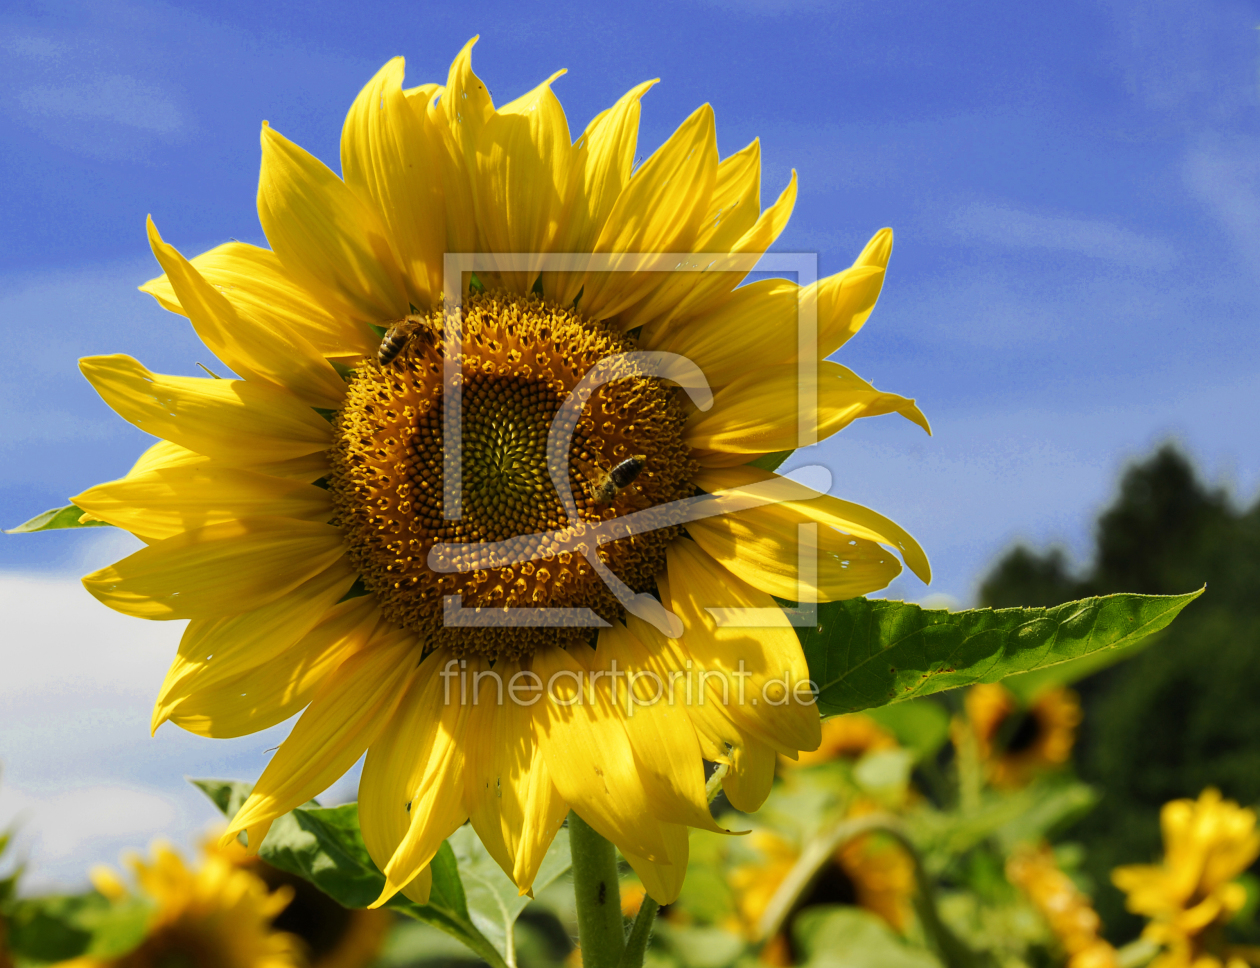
x=1185, y=713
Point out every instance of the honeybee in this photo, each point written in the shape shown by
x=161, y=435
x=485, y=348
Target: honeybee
x=618, y=479
x=400, y=334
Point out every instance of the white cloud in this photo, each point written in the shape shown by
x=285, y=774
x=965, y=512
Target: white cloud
x=71, y=652
x=109, y=97
x=87, y=818
x=1095, y=238
x=1224, y=174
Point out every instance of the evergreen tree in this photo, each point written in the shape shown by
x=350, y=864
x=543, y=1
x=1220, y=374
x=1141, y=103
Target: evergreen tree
x=1185, y=713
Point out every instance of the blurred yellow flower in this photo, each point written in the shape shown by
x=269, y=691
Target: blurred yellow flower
x=868, y=871
x=298, y=515
x=1192, y=895
x=1067, y=910
x=217, y=916
x=850, y=736
x=1013, y=750
x=332, y=936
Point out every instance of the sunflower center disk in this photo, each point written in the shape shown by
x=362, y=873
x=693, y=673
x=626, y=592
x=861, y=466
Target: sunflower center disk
x=519, y=359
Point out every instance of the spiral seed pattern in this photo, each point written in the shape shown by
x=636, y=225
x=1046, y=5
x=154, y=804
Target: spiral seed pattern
x=519, y=360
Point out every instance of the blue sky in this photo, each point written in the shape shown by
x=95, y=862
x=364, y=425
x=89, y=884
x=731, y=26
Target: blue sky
x=1075, y=189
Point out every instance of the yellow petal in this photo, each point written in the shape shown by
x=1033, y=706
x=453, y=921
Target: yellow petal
x=714, y=728
x=666, y=752
x=388, y=156
x=663, y=881
x=456, y=119
x=761, y=323
x=758, y=413
x=255, y=283
x=747, y=783
x=806, y=505
x=758, y=675
x=524, y=154
x=435, y=808
x=590, y=757
x=274, y=690
x=346, y=714
x=329, y=240
x=410, y=793
x=221, y=569
x=162, y=503
x=708, y=290
x=254, y=350
x=846, y=300
x=603, y=158
x=466, y=103
x=764, y=546
x=508, y=793
x=213, y=650
x=736, y=200
x=658, y=211
x=164, y=454
x=733, y=226
x=308, y=468
x=236, y=421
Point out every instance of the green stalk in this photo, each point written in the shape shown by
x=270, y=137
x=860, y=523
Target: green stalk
x=601, y=932
x=640, y=934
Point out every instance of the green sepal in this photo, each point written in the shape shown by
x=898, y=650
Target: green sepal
x=771, y=462
x=57, y=519
x=865, y=653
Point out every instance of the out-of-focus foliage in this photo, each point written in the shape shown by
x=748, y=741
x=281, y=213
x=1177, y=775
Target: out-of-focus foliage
x=1182, y=715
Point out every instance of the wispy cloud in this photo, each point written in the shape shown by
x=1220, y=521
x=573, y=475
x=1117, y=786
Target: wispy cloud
x=1094, y=238
x=109, y=97
x=1224, y=174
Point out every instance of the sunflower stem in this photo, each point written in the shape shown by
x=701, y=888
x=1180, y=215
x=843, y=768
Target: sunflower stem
x=640, y=934
x=601, y=931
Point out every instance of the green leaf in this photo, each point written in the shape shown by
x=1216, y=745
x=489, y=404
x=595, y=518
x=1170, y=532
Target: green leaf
x=920, y=725
x=227, y=795
x=118, y=928
x=494, y=903
x=324, y=845
x=1027, y=686
x=57, y=519
x=44, y=929
x=867, y=653
x=770, y=462
x=849, y=937
x=1011, y=817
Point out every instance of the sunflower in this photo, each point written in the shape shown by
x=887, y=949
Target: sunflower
x=847, y=737
x=332, y=936
x=1193, y=894
x=298, y=515
x=218, y=916
x=867, y=872
x=1069, y=912
x=1015, y=744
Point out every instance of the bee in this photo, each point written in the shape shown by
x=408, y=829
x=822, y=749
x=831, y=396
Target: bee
x=618, y=479
x=400, y=334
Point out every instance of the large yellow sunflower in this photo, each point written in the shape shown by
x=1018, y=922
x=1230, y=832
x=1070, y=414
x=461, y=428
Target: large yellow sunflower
x=217, y=916
x=1194, y=893
x=298, y=515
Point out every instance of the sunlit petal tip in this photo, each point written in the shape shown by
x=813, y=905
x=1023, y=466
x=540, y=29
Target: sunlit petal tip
x=877, y=250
